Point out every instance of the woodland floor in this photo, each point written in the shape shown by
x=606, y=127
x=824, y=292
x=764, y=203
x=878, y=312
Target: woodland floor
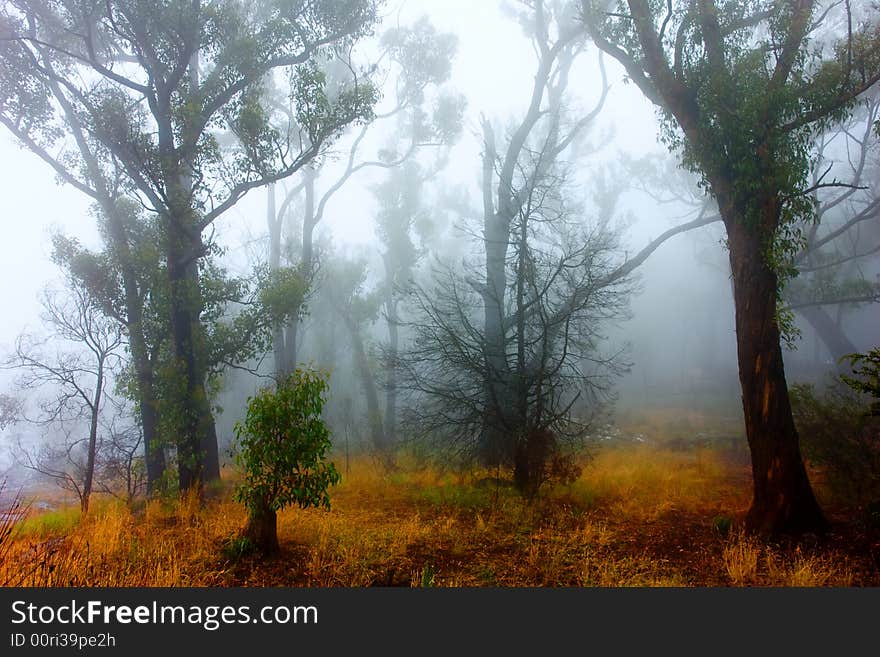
x=649, y=509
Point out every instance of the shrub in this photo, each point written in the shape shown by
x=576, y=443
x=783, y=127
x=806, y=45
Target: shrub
x=866, y=376
x=282, y=446
x=839, y=434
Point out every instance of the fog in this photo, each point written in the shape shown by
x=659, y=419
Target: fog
x=676, y=339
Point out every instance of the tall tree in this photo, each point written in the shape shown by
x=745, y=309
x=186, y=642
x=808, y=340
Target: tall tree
x=742, y=92
x=154, y=83
x=502, y=352
x=356, y=308
x=37, y=112
x=417, y=61
x=400, y=212
x=509, y=177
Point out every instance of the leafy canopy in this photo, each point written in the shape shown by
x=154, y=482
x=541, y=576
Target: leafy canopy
x=283, y=444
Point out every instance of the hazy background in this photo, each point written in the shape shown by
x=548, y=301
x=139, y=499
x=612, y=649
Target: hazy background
x=681, y=328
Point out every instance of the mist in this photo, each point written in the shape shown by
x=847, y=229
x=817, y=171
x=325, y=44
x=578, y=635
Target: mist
x=506, y=242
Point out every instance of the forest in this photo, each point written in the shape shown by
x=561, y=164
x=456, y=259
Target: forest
x=426, y=293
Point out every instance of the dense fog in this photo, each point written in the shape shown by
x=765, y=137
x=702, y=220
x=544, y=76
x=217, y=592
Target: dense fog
x=376, y=254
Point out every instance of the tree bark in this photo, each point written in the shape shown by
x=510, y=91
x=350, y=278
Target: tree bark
x=837, y=342
x=262, y=528
x=783, y=501
x=368, y=383
x=496, y=239
x=198, y=455
x=89, y=477
x=275, y=222
x=154, y=455
x=391, y=371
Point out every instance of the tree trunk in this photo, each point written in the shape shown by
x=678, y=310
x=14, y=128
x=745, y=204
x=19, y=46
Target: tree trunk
x=307, y=264
x=368, y=383
x=89, y=477
x=391, y=370
x=262, y=528
x=198, y=456
x=837, y=342
x=783, y=501
x=275, y=222
x=495, y=442
x=154, y=455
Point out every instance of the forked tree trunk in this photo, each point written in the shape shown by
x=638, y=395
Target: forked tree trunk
x=262, y=528
x=783, y=501
x=836, y=341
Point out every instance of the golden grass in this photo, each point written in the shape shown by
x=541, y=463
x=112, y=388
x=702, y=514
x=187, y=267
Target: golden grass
x=646, y=482
x=751, y=563
x=637, y=516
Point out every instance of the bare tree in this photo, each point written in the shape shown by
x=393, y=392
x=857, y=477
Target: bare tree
x=76, y=379
x=504, y=351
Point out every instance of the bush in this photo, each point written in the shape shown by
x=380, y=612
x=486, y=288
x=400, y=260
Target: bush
x=839, y=434
x=282, y=449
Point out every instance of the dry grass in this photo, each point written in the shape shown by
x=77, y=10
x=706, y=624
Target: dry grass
x=638, y=516
x=751, y=563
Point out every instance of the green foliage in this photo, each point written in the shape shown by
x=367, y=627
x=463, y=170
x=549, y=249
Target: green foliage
x=237, y=547
x=744, y=92
x=839, y=435
x=282, y=293
x=722, y=524
x=427, y=578
x=424, y=56
x=283, y=444
x=325, y=118
x=866, y=368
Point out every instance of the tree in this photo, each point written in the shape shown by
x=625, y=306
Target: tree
x=79, y=378
x=400, y=212
x=29, y=114
x=503, y=352
x=124, y=279
x=356, y=308
x=154, y=83
x=842, y=238
x=510, y=176
x=742, y=92
x=496, y=361
x=282, y=446
x=418, y=61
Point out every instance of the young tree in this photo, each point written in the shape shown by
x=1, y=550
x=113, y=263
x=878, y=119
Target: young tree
x=282, y=449
x=742, y=91
x=124, y=279
x=78, y=378
x=155, y=83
